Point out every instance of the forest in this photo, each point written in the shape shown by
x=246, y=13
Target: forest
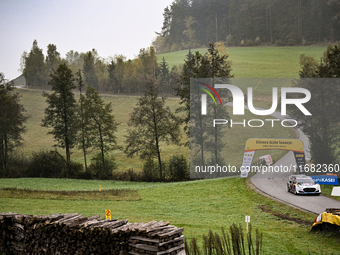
x=113, y=74
x=189, y=24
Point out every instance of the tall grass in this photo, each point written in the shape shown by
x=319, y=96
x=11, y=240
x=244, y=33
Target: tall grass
x=235, y=242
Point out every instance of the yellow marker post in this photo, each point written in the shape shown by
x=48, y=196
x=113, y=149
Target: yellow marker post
x=108, y=214
x=100, y=188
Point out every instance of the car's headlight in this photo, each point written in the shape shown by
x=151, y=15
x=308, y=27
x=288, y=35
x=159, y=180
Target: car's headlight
x=298, y=187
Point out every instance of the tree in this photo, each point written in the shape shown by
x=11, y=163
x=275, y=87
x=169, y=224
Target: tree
x=61, y=114
x=52, y=58
x=89, y=69
x=322, y=128
x=213, y=65
x=153, y=124
x=35, y=68
x=100, y=123
x=83, y=128
x=12, y=120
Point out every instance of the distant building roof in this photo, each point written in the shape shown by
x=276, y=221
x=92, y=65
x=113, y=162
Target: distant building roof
x=19, y=81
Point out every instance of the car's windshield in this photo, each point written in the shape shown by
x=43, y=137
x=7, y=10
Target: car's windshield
x=305, y=181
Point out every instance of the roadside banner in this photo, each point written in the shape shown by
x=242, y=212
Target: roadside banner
x=326, y=179
x=246, y=163
x=300, y=161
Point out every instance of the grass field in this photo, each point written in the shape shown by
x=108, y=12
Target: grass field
x=36, y=137
x=258, y=62
x=198, y=206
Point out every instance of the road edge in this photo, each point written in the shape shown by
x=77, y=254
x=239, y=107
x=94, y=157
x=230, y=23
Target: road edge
x=251, y=186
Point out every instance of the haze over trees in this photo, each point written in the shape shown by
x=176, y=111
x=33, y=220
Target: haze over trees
x=114, y=74
x=322, y=128
x=189, y=24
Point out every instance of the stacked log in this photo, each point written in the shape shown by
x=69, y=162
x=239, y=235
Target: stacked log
x=157, y=238
x=75, y=234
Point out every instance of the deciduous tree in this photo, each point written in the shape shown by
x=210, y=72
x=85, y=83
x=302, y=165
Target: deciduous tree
x=61, y=112
x=100, y=123
x=12, y=122
x=153, y=124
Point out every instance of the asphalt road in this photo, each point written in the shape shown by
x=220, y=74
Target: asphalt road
x=275, y=184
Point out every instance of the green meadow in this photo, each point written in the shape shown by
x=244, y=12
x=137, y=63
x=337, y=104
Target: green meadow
x=258, y=62
x=198, y=205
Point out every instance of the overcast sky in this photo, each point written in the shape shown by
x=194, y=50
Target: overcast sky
x=109, y=26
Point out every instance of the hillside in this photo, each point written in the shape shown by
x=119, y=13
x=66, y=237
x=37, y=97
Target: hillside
x=258, y=62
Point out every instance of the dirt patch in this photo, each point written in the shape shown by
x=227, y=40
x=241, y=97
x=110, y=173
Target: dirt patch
x=284, y=216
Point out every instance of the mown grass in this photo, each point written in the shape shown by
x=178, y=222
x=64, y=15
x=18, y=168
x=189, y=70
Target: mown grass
x=258, y=62
x=108, y=195
x=198, y=206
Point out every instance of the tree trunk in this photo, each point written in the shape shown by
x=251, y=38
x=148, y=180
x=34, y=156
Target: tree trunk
x=101, y=146
x=157, y=145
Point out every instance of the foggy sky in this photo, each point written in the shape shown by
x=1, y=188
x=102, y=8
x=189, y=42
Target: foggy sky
x=110, y=27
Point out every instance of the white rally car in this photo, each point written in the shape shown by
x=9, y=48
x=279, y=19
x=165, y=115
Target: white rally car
x=303, y=184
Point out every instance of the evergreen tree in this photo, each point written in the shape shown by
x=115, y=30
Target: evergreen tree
x=61, y=114
x=89, y=69
x=35, y=68
x=52, y=58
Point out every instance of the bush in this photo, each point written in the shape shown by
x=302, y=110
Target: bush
x=129, y=175
x=257, y=41
x=230, y=40
x=178, y=168
x=16, y=166
x=75, y=169
x=97, y=169
x=48, y=164
x=150, y=170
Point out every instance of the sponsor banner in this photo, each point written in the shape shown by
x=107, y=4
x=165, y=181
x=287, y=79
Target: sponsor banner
x=280, y=144
x=326, y=179
x=246, y=163
x=300, y=161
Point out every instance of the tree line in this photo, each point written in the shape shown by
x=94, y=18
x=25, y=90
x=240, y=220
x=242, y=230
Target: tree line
x=189, y=24
x=113, y=75
x=87, y=122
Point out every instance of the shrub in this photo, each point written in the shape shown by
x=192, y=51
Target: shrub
x=230, y=40
x=150, y=170
x=16, y=166
x=76, y=169
x=49, y=164
x=129, y=175
x=97, y=169
x=178, y=168
x=257, y=41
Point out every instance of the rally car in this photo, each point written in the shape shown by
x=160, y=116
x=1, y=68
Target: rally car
x=303, y=184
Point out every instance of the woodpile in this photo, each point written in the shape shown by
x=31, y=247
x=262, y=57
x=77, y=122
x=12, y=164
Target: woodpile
x=335, y=211
x=75, y=234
